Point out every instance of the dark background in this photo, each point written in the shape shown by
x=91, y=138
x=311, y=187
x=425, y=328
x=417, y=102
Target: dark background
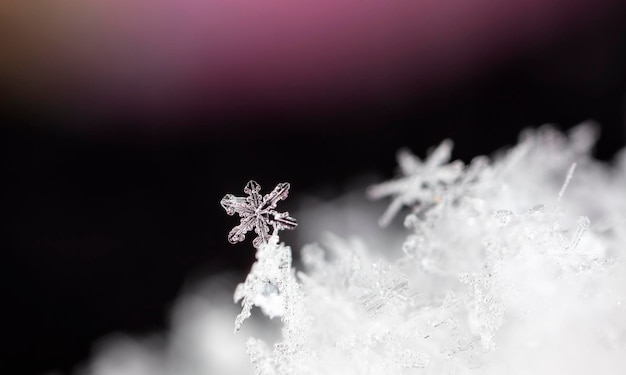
x=107, y=215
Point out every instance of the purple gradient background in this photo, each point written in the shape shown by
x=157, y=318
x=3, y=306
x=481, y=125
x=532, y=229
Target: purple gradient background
x=160, y=61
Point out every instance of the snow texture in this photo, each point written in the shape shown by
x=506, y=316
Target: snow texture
x=512, y=264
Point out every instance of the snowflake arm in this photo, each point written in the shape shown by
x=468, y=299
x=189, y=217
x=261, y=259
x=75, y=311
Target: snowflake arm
x=238, y=233
x=252, y=189
x=394, y=207
x=262, y=229
x=282, y=221
x=409, y=164
x=233, y=204
x=280, y=192
x=258, y=213
x=440, y=155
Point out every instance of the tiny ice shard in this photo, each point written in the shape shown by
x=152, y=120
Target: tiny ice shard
x=258, y=213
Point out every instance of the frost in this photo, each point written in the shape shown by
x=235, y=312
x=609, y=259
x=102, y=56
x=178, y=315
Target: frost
x=487, y=308
x=258, y=213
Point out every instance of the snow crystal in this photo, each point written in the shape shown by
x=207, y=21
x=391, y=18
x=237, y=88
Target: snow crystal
x=258, y=213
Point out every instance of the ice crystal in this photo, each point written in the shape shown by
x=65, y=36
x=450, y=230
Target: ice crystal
x=258, y=213
x=422, y=183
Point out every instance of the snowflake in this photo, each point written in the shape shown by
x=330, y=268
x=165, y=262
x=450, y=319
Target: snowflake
x=258, y=212
x=421, y=183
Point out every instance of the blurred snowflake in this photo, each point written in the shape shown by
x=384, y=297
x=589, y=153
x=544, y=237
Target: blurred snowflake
x=422, y=183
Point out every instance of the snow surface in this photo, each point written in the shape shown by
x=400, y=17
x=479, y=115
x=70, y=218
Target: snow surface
x=512, y=264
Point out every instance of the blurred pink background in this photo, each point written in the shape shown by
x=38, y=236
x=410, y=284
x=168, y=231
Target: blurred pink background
x=159, y=60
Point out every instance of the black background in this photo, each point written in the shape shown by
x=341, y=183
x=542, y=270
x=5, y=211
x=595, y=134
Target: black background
x=103, y=227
